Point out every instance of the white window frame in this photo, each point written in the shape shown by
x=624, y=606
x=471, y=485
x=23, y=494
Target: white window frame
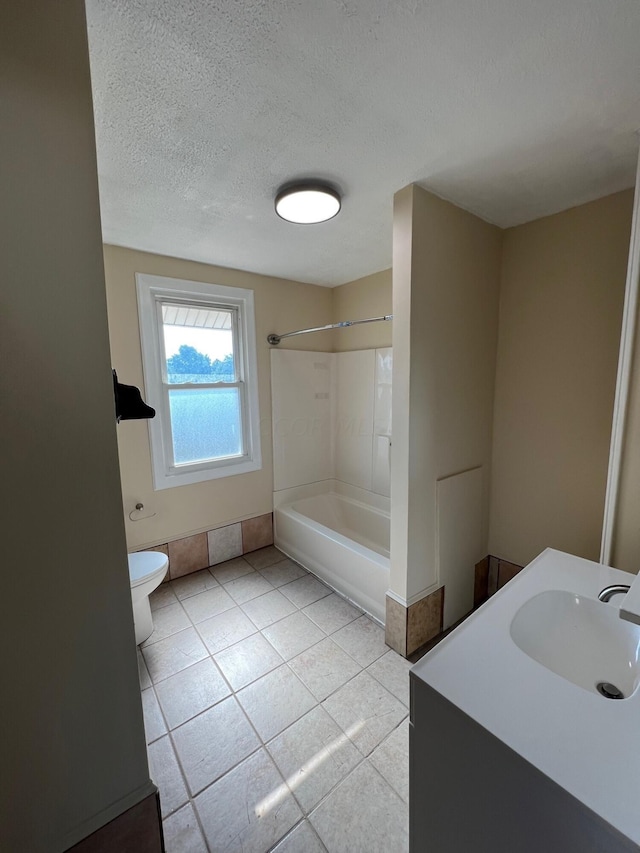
x=152, y=292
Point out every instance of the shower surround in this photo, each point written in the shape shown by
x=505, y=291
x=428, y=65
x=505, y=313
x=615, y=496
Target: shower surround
x=331, y=421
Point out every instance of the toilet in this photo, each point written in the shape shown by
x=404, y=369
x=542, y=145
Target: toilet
x=146, y=571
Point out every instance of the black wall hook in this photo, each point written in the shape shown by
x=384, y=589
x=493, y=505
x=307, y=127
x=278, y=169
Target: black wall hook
x=129, y=403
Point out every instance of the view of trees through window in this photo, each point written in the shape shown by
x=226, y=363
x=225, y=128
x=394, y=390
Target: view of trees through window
x=191, y=365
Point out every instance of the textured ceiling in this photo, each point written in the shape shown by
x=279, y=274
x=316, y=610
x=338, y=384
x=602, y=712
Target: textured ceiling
x=511, y=109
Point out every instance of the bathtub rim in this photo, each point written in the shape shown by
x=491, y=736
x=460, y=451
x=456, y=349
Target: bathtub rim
x=344, y=540
x=312, y=490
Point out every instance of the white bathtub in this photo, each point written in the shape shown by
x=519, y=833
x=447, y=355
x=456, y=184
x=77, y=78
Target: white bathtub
x=344, y=541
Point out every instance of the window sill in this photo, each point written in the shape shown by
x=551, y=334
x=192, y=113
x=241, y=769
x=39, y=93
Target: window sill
x=187, y=478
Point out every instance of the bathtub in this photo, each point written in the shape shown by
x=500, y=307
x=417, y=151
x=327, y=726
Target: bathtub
x=342, y=540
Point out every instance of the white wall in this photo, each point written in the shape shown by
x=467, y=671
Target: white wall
x=460, y=540
x=355, y=396
x=73, y=754
x=331, y=418
x=382, y=431
x=302, y=417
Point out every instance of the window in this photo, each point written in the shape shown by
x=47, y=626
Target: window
x=199, y=359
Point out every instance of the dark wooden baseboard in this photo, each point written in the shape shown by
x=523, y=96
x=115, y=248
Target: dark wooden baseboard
x=138, y=830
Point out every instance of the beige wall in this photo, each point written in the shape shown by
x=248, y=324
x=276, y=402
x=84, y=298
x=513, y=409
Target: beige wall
x=73, y=754
x=357, y=300
x=446, y=269
x=561, y=298
x=280, y=306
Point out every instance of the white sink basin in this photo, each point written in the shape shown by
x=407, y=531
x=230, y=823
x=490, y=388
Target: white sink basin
x=581, y=639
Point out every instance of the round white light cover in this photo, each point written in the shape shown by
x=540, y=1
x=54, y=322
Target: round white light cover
x=306, y=205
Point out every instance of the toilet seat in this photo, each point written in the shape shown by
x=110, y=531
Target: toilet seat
x=146, y=566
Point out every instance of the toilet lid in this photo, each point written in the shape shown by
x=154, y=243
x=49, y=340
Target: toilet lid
x=145, y=563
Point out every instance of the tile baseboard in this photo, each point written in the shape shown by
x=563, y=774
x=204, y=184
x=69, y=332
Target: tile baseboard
x=189, y=554
x=418, y=627
x=491, y=574
x=410, y=628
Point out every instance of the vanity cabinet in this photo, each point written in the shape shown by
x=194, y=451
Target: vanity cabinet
x=470, y=793
x=512, y=747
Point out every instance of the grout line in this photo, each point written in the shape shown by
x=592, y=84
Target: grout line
x=201, y=827
x=386, y=781
x=305, y=819
x=189, y=804
x=262, y=744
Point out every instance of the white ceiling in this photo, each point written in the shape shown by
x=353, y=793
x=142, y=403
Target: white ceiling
x=512, y=109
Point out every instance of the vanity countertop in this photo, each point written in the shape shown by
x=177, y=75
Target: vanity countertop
x=584, y=742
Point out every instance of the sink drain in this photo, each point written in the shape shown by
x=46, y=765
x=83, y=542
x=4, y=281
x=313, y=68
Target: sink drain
x=609, y=691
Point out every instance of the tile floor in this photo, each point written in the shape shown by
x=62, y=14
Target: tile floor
x=276, y=716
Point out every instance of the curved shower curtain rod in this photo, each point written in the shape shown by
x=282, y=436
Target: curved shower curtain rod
x=274, y=340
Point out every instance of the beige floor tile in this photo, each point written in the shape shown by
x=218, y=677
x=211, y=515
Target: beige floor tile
x=363, y=813
x=392, y=671
x=302, y=839
x=232, y=569
x=391, y=759
x=247, y=587
x=275, y=701
x=188, y=693
x=161, y=597
x=193, y=584
x=207, y=604
x=362, y=639
x=213, y=743
x=167, y=621
x=324, y=668
x=182, y=833
x=165, y=772
x=283, y=572
x=268, y=608
x=332, y=613
x=247, y=660
x=264, y=557
x=248, y=810
x=366, y=710
x=293, y=635
x=304, y=591
x=143, y=672
x=177, y=652
x=154, y=725
x=221, y=631
x=313, y=755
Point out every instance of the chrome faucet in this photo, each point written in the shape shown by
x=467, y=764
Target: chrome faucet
x=609, y=591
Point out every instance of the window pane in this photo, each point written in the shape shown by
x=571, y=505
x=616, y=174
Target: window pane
x=205, y=423
x=198, y=344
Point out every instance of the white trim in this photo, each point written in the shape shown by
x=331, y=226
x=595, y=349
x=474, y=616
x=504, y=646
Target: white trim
x=398, y=598
x=152, y=290
x=413, y=599
x=623, y=381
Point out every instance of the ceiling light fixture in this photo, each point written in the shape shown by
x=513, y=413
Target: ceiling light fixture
x=307, y=203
